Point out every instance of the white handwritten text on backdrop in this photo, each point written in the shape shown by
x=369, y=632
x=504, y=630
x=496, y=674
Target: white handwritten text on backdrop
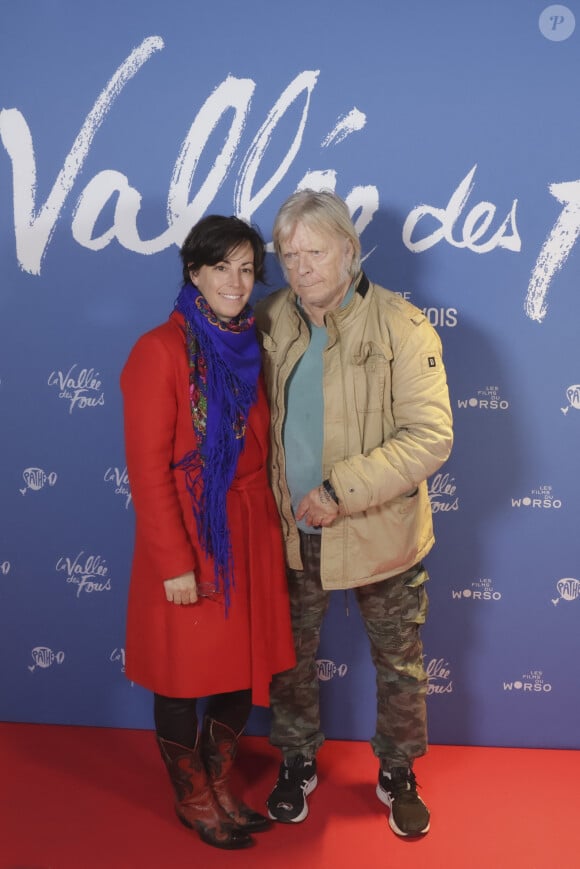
x=34, y=226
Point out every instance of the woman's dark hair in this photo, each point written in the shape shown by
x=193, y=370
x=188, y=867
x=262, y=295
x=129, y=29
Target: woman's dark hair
x=214, y=237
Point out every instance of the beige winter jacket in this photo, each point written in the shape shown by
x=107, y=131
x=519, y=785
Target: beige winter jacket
x=387, y=427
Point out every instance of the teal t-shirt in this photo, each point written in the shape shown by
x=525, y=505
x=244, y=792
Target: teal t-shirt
x=303, y=427
x=304, y=423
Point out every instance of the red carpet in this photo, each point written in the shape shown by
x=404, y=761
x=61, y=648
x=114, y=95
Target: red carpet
x=86, y=798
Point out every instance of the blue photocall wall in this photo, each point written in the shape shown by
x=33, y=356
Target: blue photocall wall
x=452, y=129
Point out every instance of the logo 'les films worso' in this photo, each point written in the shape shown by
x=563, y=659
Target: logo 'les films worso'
x=540, y=498
x=479, y=590
x=531, y=683
x=486, y=399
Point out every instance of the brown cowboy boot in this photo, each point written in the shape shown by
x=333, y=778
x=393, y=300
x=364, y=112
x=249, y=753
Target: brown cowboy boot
x=195, y=804
x=219, y=749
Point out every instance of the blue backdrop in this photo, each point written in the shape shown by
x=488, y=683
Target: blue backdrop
x=452, y=129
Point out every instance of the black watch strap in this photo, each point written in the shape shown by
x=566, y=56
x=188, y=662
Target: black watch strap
x=327, y=485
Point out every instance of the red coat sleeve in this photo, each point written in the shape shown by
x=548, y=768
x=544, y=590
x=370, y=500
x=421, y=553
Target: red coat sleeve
x=150, y=382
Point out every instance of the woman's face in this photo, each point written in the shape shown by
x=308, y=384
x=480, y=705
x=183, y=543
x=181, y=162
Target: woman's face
x=227, y=285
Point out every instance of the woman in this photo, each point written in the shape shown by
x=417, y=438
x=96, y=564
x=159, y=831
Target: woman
x=208, y=612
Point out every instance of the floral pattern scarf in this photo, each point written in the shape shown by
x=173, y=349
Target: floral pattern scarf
x=224, y=364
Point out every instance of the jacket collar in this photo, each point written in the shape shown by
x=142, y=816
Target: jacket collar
x=362, y=285
x=342, y=315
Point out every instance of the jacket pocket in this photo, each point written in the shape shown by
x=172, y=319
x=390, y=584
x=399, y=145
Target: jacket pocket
x=369, y=372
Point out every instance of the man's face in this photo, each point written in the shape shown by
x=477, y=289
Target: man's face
x=317, y=267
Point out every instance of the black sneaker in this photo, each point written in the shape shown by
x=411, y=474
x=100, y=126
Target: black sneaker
x=296, y=779
x=397, y=789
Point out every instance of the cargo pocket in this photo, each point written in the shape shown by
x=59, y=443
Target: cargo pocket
x=393, y=616
x=416, y=607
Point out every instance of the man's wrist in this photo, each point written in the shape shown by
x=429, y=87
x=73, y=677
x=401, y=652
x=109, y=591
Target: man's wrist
x=329, y=489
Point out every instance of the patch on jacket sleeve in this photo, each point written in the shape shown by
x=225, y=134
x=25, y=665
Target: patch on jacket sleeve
x=430, y=362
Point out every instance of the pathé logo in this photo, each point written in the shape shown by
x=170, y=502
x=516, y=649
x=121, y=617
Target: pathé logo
x=44, y=658
x=327, y=670
x=568, y=589
x=36, y=479
x=573, y=396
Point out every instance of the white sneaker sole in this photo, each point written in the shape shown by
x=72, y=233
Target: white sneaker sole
x=386, y=800
x=307, y=790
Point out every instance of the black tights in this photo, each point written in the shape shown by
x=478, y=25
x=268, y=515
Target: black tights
x=176, y=717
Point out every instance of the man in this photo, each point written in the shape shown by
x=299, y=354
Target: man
x=360, y=419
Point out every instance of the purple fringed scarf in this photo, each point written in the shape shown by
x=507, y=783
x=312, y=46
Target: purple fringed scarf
x=224, y=364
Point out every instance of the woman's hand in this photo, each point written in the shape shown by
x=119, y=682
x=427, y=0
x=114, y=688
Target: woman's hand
x=182, y=589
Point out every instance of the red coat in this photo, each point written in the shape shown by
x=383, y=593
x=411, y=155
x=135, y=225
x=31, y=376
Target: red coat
x=196, y=650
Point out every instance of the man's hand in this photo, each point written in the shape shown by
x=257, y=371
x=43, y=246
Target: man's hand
x=317, y=508
x=182, y=589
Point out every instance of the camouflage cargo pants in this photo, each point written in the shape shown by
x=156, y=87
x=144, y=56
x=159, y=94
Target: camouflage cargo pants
x=392, y=611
